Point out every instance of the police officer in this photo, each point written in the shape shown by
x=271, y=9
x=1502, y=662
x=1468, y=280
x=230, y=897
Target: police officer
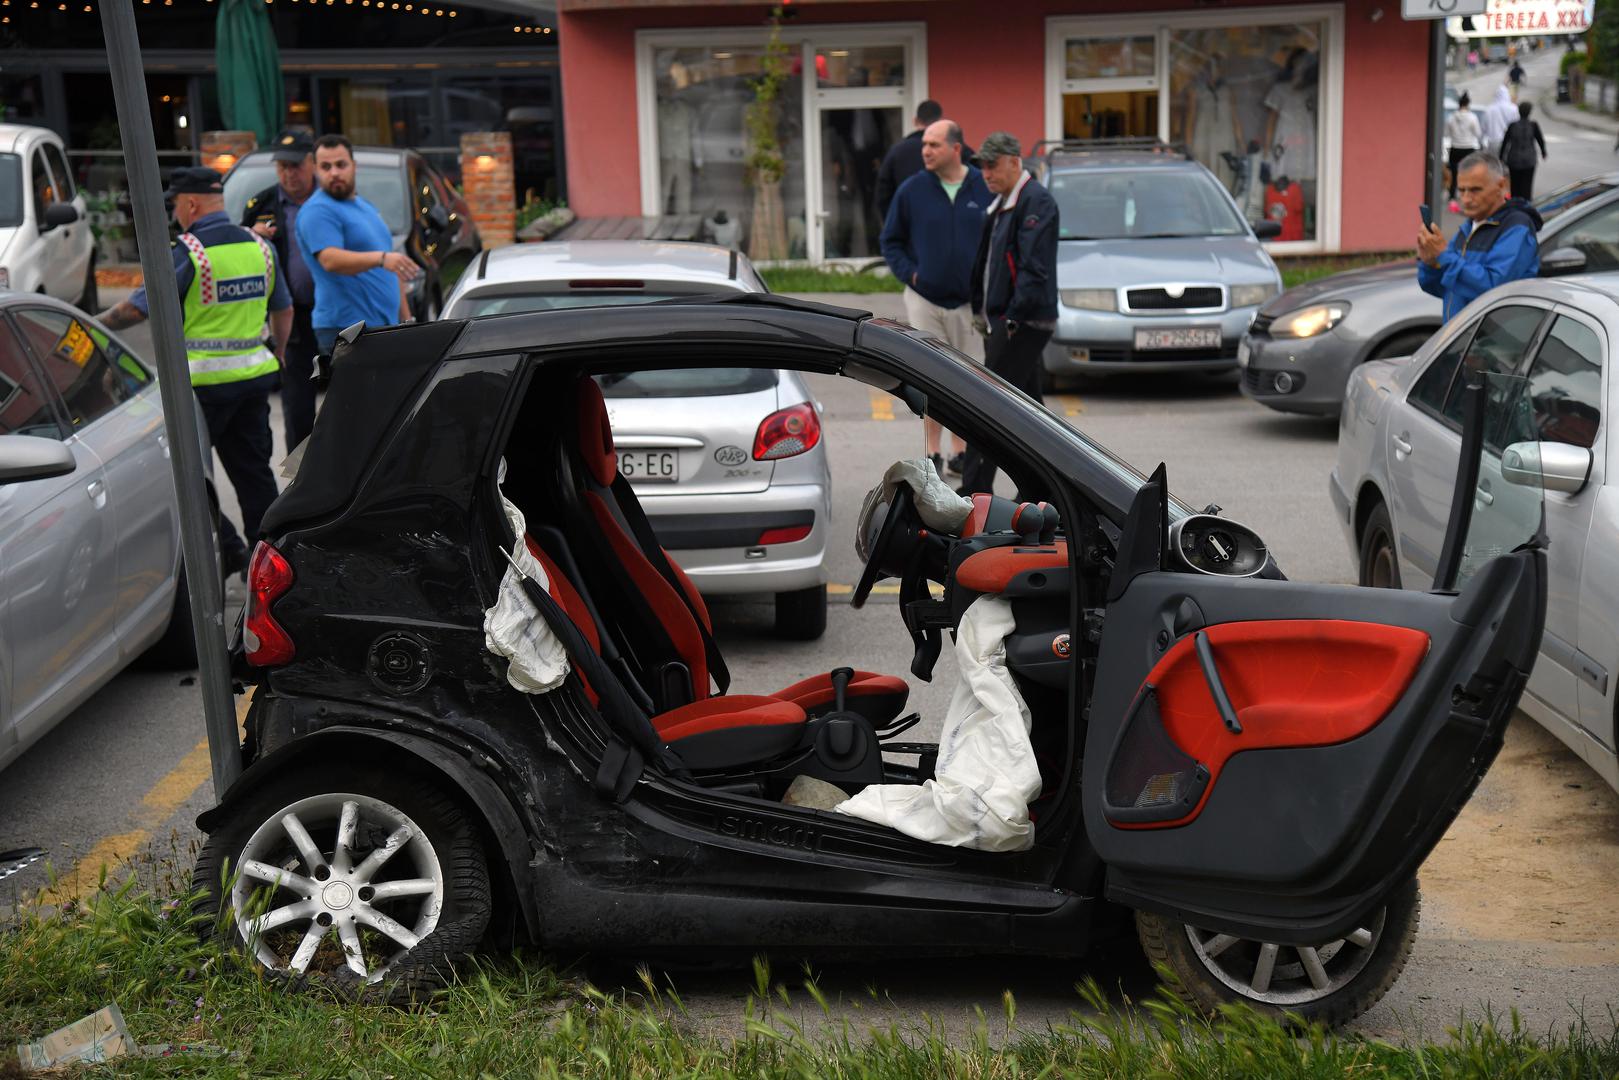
x=273, y=214
x=229, y=283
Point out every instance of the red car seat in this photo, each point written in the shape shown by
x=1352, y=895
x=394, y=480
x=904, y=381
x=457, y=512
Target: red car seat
x=674, y=640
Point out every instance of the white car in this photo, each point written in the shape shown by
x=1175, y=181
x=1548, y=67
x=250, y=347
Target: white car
x=729, y=463
x=45, y=241
x=1399, y=441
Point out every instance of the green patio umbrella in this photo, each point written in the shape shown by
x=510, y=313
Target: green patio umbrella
x=250, y=89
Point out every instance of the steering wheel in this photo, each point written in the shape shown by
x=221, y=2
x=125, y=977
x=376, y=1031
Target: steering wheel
x=881, y=548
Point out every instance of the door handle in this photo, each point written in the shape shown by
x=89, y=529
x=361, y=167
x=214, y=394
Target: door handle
x=1484, y=496
x=1211, y=674
x=163, y=443
x=1402, y=446
x=97, y=490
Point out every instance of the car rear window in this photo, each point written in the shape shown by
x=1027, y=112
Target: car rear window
x=1572, y=195
x=1141, y=204
x=11, y=205
x=686, y=382
x=471, y=307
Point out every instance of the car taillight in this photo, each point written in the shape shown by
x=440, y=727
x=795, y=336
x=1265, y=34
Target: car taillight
x=269, y=575
x=787, y=432
x=789, y=534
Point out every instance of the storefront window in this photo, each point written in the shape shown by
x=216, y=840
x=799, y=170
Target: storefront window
x=872, y=65
x=22, y=99
x=1246, y=103
x=702, y=145
x=522, y=105
x=1111, y=57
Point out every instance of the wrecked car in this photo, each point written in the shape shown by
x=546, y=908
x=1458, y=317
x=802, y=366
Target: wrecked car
x=1245, y=770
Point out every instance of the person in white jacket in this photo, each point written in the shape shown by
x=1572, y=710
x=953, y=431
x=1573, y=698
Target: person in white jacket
x=1465, y=136
x=1496, y=118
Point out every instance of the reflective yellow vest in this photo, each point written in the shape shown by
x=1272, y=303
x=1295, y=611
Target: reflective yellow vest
x=225, y=308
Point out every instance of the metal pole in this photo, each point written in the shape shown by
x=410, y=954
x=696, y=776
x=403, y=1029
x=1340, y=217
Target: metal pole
x=1435, y=188
x=197, y=540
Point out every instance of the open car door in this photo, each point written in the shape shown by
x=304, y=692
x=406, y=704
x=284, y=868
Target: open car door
x=1272, y=759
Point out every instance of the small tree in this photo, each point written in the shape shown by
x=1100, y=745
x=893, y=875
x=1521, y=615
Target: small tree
x=766, y=163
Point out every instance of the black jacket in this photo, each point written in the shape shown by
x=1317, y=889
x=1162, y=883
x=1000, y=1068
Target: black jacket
x=1518, y=145
x=1015, y=273
x=267, y=203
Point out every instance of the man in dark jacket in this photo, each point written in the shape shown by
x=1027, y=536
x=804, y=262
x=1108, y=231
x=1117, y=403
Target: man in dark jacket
x=904, y=158
x=1496, y=243
x=1014, y=280
x=273, y=214
x=930, y=240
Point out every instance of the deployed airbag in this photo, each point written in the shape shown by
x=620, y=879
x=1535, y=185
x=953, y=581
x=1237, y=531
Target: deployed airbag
x=514, y=628
x=937, y=504
x=986, y=773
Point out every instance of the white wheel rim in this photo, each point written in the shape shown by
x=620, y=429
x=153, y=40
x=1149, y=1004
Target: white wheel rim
x=1287, y=974
x=341, y=869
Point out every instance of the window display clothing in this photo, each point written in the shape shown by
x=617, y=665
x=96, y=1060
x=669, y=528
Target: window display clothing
x=679, y=154
x=1211, y=125
x=1291, y=145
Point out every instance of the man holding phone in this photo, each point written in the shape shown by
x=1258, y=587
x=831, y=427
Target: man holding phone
x=1496, y=243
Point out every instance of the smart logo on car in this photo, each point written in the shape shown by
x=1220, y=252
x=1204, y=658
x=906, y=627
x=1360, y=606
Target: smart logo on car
x=730, y=455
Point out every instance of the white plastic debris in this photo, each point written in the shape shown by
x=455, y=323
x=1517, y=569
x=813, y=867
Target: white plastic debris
x=515, y=629
x=986, y=774
x=937, y=504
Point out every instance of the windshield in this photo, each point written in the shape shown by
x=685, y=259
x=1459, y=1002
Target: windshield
x=1572, y=195
x=379, y=179
x=1142, y=203
x=11, y=203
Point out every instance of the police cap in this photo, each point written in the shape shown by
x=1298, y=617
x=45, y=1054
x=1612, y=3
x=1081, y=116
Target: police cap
x=193, y=180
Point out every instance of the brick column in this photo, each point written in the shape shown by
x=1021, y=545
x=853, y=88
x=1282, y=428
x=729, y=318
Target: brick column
x=220, y=149
x=487, y=183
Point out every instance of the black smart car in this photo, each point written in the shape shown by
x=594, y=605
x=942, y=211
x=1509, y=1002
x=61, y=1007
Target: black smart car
x=1253, y=767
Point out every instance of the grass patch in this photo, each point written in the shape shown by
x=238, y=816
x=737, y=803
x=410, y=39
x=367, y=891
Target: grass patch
x=813, y=279
x=1296, y=271
x=516, y=1016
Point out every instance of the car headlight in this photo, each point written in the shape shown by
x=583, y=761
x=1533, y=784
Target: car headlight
x=1090, y=299
x=1252, y=295
x=1310, y=321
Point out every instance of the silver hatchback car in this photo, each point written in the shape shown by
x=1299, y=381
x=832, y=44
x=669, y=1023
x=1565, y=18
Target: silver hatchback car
x=90, y=571
x=1399, y=440
x=728, y=463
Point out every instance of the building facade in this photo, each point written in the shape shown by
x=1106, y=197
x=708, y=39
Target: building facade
x=1312, y=114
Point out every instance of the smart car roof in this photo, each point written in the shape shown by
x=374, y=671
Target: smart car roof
x=661, y=260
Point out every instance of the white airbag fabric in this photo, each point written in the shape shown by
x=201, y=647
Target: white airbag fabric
x=986, y=774
x=937, y=504
x=515, y=629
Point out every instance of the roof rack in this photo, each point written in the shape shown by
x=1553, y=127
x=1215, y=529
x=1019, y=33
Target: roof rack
x=1142, y=143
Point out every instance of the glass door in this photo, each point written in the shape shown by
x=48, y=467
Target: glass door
x=858, y=98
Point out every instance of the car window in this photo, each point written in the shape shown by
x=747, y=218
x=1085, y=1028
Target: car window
x=11, y=191
x=44, y=188
x=426, y=196
x=1596, y=236
x=686, y=382
x=1139, y=203
x=60, y=173
x=68, y=352
x=25, y=406
x=1503, y=339
x=1564, y=387
x=1434, y=384
x=1570, y=196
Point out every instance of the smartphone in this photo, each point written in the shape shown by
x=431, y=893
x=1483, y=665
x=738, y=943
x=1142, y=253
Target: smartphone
x=1427, y=215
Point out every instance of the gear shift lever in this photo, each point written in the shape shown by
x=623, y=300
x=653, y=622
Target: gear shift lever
x=840, y=684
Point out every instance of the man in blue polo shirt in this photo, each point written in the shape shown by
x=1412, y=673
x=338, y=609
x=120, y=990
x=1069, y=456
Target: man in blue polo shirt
x=349, y=251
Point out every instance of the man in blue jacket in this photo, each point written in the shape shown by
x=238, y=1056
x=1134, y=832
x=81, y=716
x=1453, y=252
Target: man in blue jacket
x=930, y=239
x=1496, y=243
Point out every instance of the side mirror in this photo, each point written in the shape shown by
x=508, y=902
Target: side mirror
x=28, y=457
x=1267, y=229
x=1553, y=466
x=1565, y=260
x=438, y=217
x=60, y=213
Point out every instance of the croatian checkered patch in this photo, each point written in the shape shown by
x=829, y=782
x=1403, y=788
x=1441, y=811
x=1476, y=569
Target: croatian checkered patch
x=208, y=285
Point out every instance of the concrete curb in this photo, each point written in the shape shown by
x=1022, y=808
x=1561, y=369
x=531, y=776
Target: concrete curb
x=1546, y=102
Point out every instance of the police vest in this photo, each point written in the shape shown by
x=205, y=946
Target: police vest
x=225, y=309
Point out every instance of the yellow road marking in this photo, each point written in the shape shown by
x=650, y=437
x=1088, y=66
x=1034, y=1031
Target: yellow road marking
x=1069, y=404
x=156, y=806
x=890, y=589
x=882, y=406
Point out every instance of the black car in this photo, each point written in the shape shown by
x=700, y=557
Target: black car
x=426, y=216
x=1254, y=767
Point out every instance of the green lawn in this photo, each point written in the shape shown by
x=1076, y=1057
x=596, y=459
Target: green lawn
x=517, y=1016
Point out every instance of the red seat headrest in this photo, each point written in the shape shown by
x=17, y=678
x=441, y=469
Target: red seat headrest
x=595, y=433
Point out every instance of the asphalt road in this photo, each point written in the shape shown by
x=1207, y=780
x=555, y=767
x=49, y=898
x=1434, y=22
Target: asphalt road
x=126, y=774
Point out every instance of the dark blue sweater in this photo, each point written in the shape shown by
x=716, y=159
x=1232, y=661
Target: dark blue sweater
x=934, y=239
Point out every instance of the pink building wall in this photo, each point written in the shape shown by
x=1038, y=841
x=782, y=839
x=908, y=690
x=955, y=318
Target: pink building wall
x=990, y=73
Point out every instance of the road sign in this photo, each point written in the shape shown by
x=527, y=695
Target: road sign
x=1440, y=9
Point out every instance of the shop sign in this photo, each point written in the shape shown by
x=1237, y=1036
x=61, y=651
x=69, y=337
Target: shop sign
x=1519, y=18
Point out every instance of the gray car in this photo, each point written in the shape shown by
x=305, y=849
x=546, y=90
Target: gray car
x=90, y=572
x=1297, y=355
x=1399, y=442
x=729, y=463
x=1156, y=269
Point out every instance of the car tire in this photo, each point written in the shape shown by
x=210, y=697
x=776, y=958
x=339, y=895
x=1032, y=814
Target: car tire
x=1400, y=345
x=437, y=917
x=1349, y=976
x=89, y=299
x=1379, y=562
x=801, y=614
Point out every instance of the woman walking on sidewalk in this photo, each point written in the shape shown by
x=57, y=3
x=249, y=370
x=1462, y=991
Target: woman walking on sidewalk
x=1465, y=135
x=1518, y=152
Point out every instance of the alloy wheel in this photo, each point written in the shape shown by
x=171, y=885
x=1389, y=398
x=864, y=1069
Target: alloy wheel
x=1287, y=975
x=337, y=880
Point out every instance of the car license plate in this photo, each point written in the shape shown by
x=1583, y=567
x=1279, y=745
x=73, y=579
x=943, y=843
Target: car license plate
x=1184, y=337
x=1242, y=353
x=649, y=466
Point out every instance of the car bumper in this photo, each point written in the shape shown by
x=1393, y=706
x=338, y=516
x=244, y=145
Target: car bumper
x=1103, y=343
x=715, y=538
x=1315, y=369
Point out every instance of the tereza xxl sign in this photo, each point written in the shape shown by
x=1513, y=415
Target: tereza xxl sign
x=1514, y=18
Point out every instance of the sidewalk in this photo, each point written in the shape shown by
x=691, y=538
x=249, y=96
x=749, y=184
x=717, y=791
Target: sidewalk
x=1573, y=115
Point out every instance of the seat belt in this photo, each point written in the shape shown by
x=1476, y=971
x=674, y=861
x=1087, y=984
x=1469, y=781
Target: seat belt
x=630, y=507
